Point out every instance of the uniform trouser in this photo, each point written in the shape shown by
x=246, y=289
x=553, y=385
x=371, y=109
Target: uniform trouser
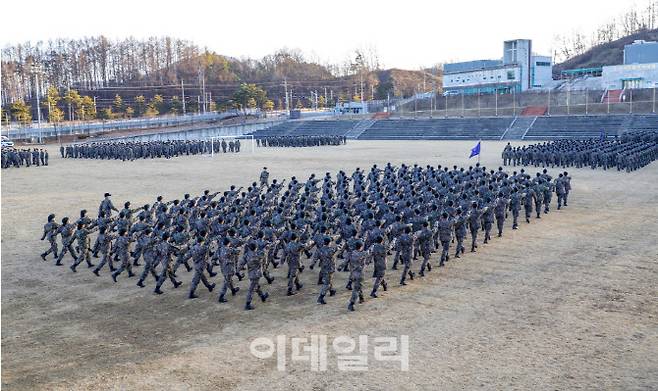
x=327, y=279
x=445, y=248
x=149, y=267
x=425, y=253
x=67, y=246
x=209, y=268
x=125, y=264
x=515, y=217
x=560, y=199
x=396, y=258
x=53, y=247
x=487, y=230
x=500, y=224
x=566, y=195
x=528, y=211
x=379, y=281
x=167, y=272
x=228, y=283
x=137, y=253
x=95, y=248
x=538, y=208
x=357, y=288
x=547, y=203
x=181, y=260
x=254, y=286
x=460, y=244
x=407, y=262
x=474, y=237
x=105, y=259
x=293, y=278
x=199, y=276
x=83, y=255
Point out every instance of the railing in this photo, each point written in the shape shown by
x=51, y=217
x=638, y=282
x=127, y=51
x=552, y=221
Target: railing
x=47, y=130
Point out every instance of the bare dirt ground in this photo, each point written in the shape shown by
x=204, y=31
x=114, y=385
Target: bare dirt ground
x=567, y=302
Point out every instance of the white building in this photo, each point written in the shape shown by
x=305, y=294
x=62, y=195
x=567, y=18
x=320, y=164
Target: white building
x=519, y=70
x=639, y=70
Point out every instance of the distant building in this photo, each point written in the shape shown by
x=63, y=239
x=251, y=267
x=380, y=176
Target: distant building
x=519, y=70
x=639, y=70
x=351, y=108
x=641, y=52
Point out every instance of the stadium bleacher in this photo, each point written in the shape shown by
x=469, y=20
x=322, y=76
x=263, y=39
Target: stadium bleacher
x=486, y=128
x=308, y=128
x=582, y=126
x=438, y=129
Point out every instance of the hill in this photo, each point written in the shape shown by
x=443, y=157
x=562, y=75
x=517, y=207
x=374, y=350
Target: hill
x=610, y=53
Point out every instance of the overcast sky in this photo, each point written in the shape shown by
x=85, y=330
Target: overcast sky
x=406, y=34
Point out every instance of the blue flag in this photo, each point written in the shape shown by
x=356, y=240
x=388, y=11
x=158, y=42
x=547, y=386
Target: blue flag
x=475, y=150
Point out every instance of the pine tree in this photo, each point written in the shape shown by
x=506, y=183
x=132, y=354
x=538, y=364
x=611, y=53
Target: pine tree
x=117, y=105
x=21, y=112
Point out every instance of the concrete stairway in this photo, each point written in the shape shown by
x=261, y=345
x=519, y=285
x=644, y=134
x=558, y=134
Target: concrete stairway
x=518, y=128
x=359, y=128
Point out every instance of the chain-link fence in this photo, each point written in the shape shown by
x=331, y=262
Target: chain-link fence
x=560, y=102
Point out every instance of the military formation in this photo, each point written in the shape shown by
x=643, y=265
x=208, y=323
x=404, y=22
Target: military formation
x=133, y=150
x=300, y=141
x=384, y=219
x=631, y=151
x=12, y=157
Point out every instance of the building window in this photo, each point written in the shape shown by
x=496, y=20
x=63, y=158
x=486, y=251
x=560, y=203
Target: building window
x=510, y=75
x=543, y=64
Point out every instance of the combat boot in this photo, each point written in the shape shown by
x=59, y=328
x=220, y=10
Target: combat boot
x=222, y=299
x=177, y=284
x=321, y=300
x=350, y=306
x=234, y=290
x=157, y=290
x=290, y=292
x=269, y=280
x=72, y=267
x=299, y=285
x=249, y=307
x=140, y=283
x=411, y=275
x=43, y=256
x=384, y=285
x=192, y=295
x=263, y=296
x=332, y=292
x=373, y=294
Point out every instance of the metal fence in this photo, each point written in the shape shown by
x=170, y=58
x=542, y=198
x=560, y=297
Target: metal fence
x=34, y=132
x=561, y=102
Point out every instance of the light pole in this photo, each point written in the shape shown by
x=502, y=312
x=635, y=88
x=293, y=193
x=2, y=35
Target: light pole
x=462, y=103
x=496, y=100
x=36, y=70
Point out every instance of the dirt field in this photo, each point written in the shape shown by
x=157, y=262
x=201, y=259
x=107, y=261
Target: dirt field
x=567, y=302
